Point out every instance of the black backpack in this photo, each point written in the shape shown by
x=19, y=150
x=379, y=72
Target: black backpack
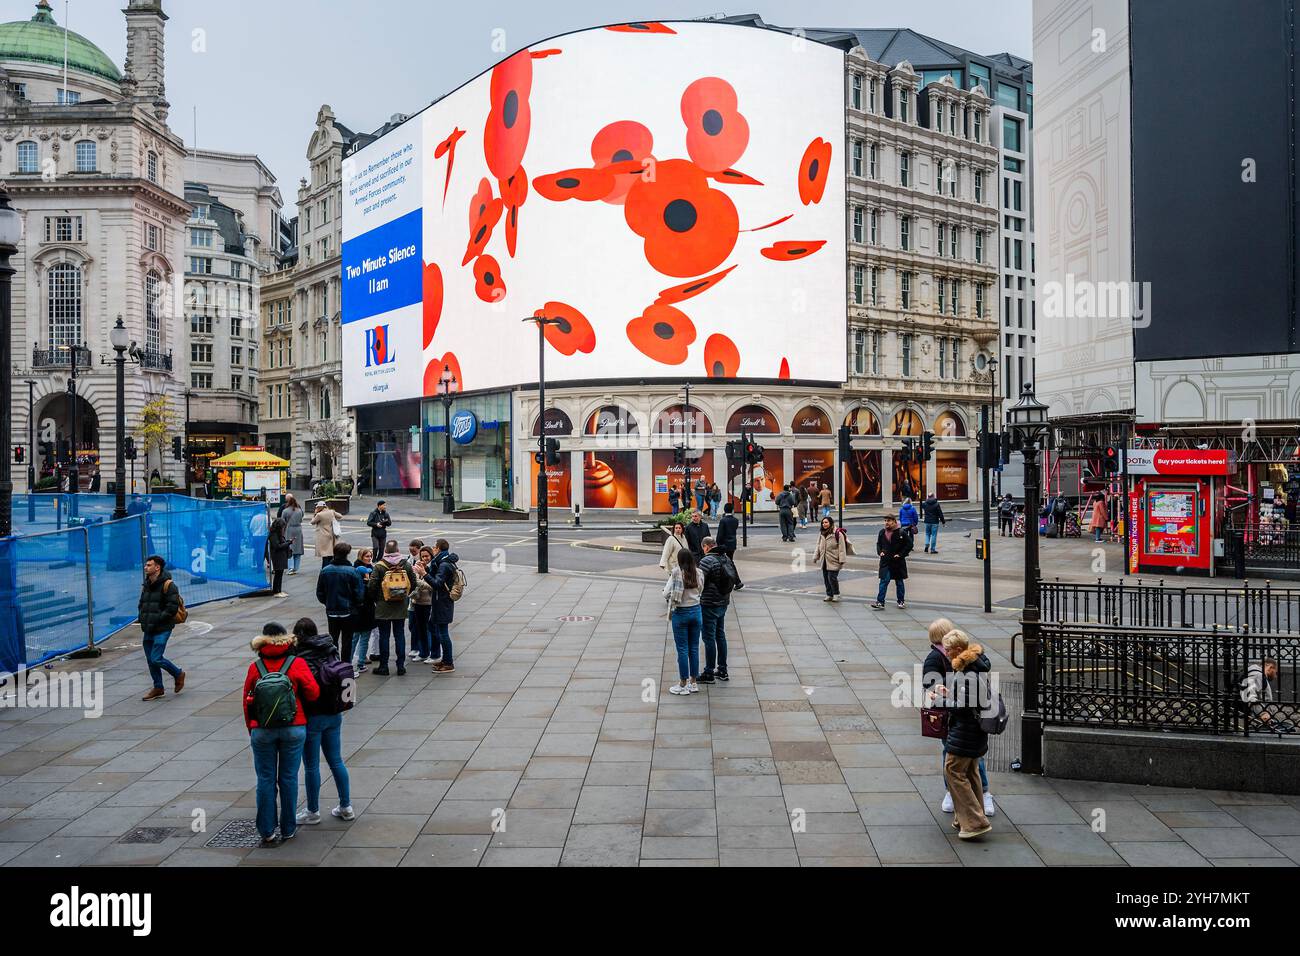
x=727, y=583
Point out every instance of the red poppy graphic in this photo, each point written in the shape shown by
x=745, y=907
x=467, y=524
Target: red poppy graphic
x=448, y=148
x=721, y=357
x=814, y=171
x=433, y=375
x=769, y=225
x=716, y=132
x=505, y=137
x=587, y=185
x=484, y=213
x=784, y=374
x=688, y=290
x=652, y=27
x=688, y=227
x=432, y=304
x=572, y=334
x=488, y=284
x=543, y=54
x=514, y=190
x=662, y=333
x=735, y=177
x=784, y=251
x=621, y=142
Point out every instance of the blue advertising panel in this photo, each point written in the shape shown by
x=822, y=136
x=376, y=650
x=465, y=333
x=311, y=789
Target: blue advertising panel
x=381, y=268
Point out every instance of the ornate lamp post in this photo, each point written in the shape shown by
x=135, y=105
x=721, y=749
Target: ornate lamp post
x=11, y=234
x=1028, y=423
x=120, y=339
x=543, y=555
x=446, y=382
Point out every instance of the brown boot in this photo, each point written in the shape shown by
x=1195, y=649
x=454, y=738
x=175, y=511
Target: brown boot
x=154, y=694
x=180, y=682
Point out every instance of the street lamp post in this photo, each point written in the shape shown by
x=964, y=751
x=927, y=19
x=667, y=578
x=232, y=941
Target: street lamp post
x=1027, y=421
x=120, y=339
x=543, y=558
x=986, y=362
x=11, y=233
x=445, y=382
x=31, y=449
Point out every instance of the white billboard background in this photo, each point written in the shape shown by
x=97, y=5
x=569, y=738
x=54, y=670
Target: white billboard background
x=790, y=91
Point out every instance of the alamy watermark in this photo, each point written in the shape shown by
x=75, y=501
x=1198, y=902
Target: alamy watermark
x=41, y=689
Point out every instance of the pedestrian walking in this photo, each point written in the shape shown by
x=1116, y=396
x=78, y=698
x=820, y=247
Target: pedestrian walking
x=675, y=541
x=934, y=682
x=1100, y=518
x=278, y=549
x=908, y=518
x=292, y=514
x=234, y=536
x=674, y=499
x=717, y=580
x=443, y=577
x=701, y=494
x=392, y=582
x=258, y=528
x=800, y=496
x=160, y=603
x=726, y=538
x=893, y=545
x=966, y=741
x=364, y=640
x=1006, y=516
x=785, y=513
x=328, y=532
x=379, y=522
x=341, y=591
x=275, y=687
x=682, y=591
x=933, y=513
x=715, y=499
x=832, y=554
x=696, y=532
x=422, y=610
x=336, y=681
x=825, y=497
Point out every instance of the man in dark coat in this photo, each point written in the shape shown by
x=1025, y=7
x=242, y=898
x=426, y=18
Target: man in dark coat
x=696, y=531
x=159, y=602
x=785, y=503
x=440, y=576
x=379, y=521
x=893, y=545
x=727, y=525
x=719, y=580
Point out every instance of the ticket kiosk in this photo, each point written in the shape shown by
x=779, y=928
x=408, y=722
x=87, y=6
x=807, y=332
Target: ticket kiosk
x=1171, y=509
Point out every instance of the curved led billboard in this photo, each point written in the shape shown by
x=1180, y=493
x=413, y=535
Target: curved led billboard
x=669, y=197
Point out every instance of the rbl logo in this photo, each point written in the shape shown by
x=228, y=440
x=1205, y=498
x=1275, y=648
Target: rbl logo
x=377, y=350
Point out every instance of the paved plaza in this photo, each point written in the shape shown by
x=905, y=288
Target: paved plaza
x=555, y=743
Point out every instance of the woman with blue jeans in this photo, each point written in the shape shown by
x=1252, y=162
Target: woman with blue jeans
x=324, y=725
x=933, y=673
x=683, y=595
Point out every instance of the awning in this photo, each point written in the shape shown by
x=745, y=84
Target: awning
x=249, y=459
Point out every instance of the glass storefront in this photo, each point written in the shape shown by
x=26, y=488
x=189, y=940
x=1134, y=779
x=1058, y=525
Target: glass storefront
x=388, y=449
x=480, y=466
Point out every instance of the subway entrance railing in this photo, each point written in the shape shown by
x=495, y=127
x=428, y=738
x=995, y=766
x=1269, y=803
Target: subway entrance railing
x=1143, y=604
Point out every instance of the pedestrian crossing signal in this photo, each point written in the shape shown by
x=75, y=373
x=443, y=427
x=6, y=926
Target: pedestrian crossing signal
x=552, y=451
x=19, y=454
x=1110, y=459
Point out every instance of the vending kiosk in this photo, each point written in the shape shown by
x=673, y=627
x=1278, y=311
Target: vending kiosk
x=1171, y=508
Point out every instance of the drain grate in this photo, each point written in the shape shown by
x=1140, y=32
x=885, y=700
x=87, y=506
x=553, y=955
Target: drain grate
x=236, y=833
x=575, y=618
x=148, y=835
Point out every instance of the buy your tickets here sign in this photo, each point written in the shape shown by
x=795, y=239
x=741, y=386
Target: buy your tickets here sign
x=1177, y=461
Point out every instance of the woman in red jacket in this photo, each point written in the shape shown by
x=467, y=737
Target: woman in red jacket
x=277, y=727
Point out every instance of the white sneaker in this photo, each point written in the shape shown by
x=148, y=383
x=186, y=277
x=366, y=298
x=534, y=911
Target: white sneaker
x=305, y=816
x=946, y=806
x=414, y=655
x=343, y=813
x=678, y=689
x=280, y=594
x=431, y=660
x=989, y=808
x=693, y=687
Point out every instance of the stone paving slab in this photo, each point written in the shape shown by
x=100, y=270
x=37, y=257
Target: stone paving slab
x=555, y=744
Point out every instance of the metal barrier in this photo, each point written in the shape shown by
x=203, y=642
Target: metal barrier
x=1140, y=604
x=1261, y=548
x=1161, y=679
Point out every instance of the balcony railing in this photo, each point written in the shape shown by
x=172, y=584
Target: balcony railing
x=60, y=357
x=153, y=359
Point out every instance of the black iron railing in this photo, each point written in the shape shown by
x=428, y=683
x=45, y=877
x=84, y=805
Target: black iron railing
x=60, y=357
x=1260, y=548
x=1141, y=604
x=1154, y=679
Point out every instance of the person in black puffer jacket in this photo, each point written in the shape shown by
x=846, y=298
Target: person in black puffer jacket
x=934, y=674
x=440, y=577
x=719, y=580
x=966, y=743
x=324, y=725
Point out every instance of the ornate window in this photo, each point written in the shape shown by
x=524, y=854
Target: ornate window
x=152, y=318
x=64, y=286
x=151, y=167
x=87, y=161
x=28, y=157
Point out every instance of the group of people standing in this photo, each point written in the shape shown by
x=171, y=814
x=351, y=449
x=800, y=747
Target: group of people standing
x=796, y=505
x=706, y=495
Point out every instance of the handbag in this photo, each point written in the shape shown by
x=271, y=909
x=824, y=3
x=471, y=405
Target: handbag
x=934, y=722
x=336, y=529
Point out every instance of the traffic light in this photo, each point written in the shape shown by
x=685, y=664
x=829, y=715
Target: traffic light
x=909, y=453
x=927, y=445
x=753, y=452
x=679, y=455
x=47, y=450
x=1110, y=460
x=65, y=449
x=1004, y=447
x=128, y=449
x=735, y=450
x=177, y=451
x=19, y=454
x=552, y=451
x=846, y=448
x=990, y=450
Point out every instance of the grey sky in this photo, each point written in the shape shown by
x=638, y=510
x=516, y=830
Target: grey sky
x=270, y=64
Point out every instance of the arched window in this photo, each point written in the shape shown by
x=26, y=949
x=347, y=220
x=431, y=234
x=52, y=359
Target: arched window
x=907, y=422
x=753, y=418
x=87, y=161
x=862, y=421
x=28, y=157
x=325, y=403
x=557, y=423
x=611, y=420
x=152, y=308
x=669, y=421
x=64, y=305
x=811, y=420
x=151, y=167
x=949, y=425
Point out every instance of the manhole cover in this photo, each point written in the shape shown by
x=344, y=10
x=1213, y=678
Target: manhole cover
x=147, y=835
x=236, y=833
x=575, y=618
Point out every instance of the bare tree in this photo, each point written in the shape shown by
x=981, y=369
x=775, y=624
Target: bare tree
x=330, y=435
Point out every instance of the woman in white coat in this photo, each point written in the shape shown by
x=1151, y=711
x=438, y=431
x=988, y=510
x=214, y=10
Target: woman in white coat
x=676, y=541
x=325, y=521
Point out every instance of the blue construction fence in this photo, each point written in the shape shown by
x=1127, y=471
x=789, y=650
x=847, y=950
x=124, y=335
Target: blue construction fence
x=70, y=576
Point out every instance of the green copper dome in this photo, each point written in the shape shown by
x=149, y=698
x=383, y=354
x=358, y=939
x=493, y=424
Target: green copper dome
x=40, y=40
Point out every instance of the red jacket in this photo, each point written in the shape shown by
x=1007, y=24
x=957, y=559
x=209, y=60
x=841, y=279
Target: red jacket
x=273, y=651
